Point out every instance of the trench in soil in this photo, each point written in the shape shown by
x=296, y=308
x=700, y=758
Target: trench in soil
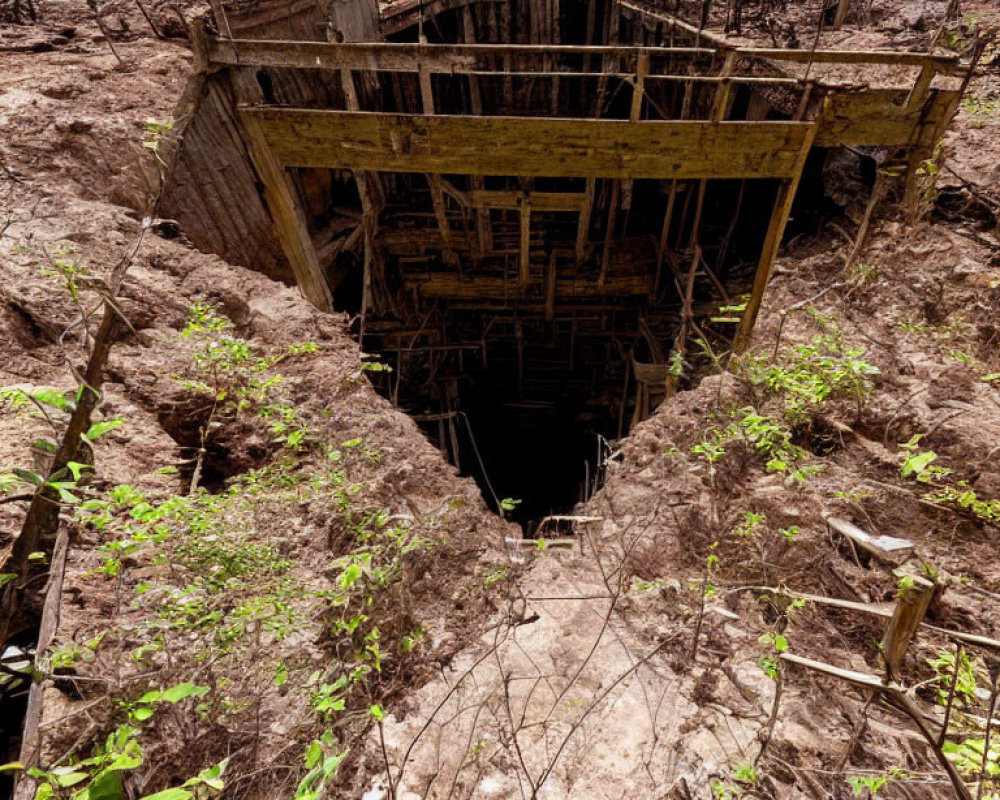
x=526, y=390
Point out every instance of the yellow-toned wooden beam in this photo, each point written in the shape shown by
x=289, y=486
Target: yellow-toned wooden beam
x=512, y=200
x=531, y=147
x=883, y=117
x=409, y=57
x=772, y=242
x=451, y=286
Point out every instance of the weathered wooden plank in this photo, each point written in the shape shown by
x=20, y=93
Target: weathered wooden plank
x=284, y=206
x=887, y=549
x=410, y=57
x=451, y=286
x=512, y=200
x=531, y=147
x=881, y=117
x=524, y=263
x=772, y=242
x=911, y=607
x=888, y=57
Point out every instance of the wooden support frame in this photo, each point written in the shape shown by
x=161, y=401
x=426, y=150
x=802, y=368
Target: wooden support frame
x=284, y=205
x=434, y=179
x=465, y=58
x=524, y=263
x=772, y=242
x=531, y=146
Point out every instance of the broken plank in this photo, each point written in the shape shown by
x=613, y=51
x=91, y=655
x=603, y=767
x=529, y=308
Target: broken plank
x=888, y=549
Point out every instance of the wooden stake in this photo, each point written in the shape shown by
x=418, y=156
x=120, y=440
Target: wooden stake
x=911, y=607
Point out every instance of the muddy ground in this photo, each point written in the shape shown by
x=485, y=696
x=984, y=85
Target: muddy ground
x=601, y=670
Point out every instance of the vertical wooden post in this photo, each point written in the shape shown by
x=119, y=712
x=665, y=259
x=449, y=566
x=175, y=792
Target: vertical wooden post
x=843, y=8
x=550, y=288
x=723, y=92
x=635, y=114
x=437, y=191
x=583, y=228
x=661, y=251
x=772, y=241
x=921, y=87
x=484, y=233
x=610, y=232
x=281, y=197
x=524, y=265
x=911, y=606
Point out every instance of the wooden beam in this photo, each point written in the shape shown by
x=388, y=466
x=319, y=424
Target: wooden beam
x=512, y=200
x=461, y=58
x=484, y=230
x=532, y=147
x=283, y=204
x=609, y=232
x=551, y=275
x=410, y=57
x=772, y=242
x=843, y=8
x=583, y=227
x=883, y=117
x=661, y=250
x=437, y=192
x=451, y=286
x=911, y=607
x=524, y=263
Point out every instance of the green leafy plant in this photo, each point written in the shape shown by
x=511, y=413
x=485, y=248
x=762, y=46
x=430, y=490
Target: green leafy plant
x=810, y=374
x=745, y=773
x=871, y=783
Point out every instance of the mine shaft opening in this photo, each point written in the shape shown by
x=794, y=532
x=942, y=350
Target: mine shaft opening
x=543, y=220
x=527, y=389
x=527, y=323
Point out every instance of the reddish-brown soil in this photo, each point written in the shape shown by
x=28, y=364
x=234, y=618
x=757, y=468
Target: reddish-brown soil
x=540, y=683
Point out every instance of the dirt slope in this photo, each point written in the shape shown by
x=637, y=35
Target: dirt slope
x=602, y=670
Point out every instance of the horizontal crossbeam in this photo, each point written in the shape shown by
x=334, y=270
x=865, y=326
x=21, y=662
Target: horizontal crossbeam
x=463, y=58
x=530, y=147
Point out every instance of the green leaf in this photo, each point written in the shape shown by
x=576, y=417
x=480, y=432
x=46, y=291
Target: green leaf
x=313, y=754
x=77, y=468
x=106, y=786
x=28, y=476
x=52, y=397
x=13, y=766
x=6, y=577
x=142, y=713
x=377, y=712
x=181, y=691
x=98, y=429
x=64, y=494
x=175, y=793
x=918, y=463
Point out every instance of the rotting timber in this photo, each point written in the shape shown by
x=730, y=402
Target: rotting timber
x=537, y=210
